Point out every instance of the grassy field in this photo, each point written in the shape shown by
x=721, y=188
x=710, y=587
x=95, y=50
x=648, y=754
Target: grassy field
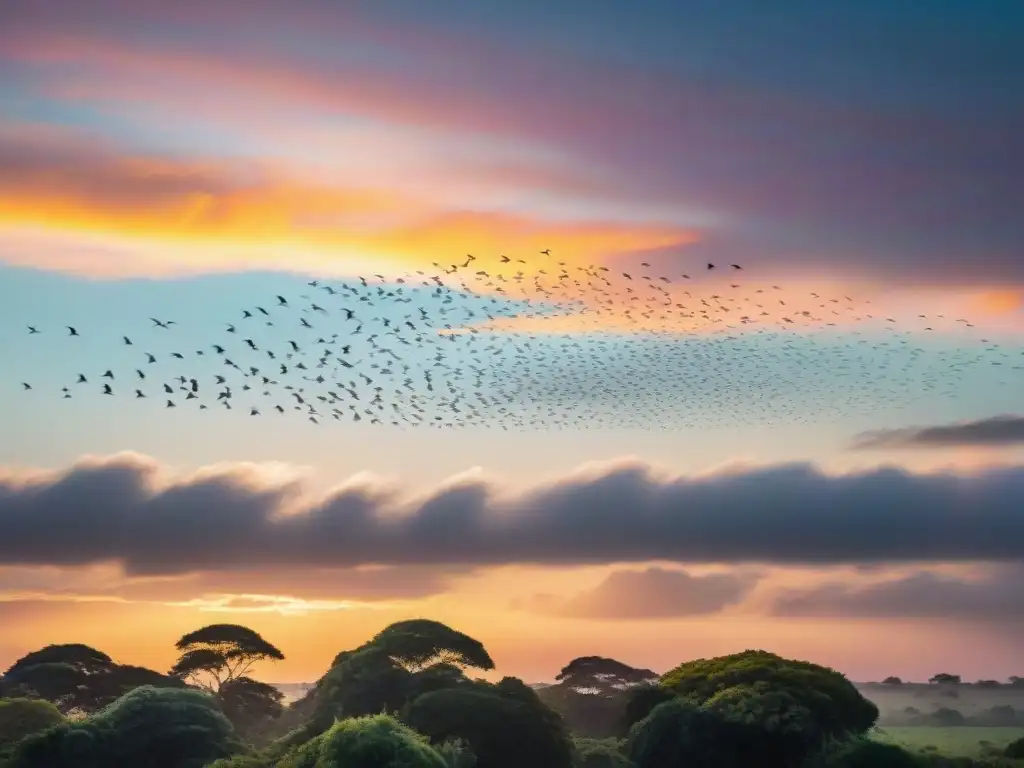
x=966, y=741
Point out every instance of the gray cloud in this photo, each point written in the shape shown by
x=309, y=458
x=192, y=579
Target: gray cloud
x=994, y=597
x=996, y=431
x=653, y=593
x=122, y=510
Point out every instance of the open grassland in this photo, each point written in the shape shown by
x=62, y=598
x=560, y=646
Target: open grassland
x=967, y=741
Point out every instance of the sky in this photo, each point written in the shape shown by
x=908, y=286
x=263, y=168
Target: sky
x=805, y=489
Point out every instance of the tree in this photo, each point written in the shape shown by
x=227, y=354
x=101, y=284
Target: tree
x=249, y=705
x=640, y=702
x=771, y=727
x=592, y=692
x=76, y=678
x=892, y=681
x=366, y=742
x=944, y=678
x=405, y=660
x=681, y=733
x=599, y=753
x=24, y=717
x=420, y=643
x=152, y=727
x=506, y=725
x=601, y=675
x=837, y=708
x=220, y=653
x=1015, y=750
x=1016, y=681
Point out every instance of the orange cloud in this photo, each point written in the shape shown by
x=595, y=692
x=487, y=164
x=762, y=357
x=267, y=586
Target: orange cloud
x=144, y=216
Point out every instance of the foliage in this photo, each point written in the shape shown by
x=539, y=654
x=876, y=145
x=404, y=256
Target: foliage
x=420, y=643
x=640, y=702
x=406, y=660
x=1015, y=750
x=154, y=727
x=602, y=675
x=836, y=707
x=506, y=725
x=219, y=653
x=682, y=733
x=366, y=742
x=457, y=753
x=250, y=704
x=24, y=717
x=599, y=753
x=243, y=761
x=77, y=678
x=592, y=695
x=944, y=678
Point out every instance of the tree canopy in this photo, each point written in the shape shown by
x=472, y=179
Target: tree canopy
x=24, y=717
x=154, y=727
x=379, y=741
x=76, y=677
x=506, y=724
x=836, y=707
x=420, y=643
x=601, y=675
x=219, y=653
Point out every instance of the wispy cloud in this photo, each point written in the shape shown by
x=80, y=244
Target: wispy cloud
x=997, y=431
x=801, y=163
x=652, y=593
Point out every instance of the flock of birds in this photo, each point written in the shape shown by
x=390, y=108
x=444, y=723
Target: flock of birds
x=541, y=343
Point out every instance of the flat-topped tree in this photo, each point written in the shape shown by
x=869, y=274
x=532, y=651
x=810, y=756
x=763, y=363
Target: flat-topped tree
x=220, y=653
x=420, y=643
x=601, y=675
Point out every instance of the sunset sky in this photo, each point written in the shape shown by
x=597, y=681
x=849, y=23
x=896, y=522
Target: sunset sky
x=179, y=160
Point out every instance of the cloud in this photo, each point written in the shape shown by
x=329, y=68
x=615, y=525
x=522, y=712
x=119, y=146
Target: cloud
x=654, y=593
x=127, y=509
x=996, y=431
x=800, y=156
x=992, y=597
x=310, y=585
x=76, y=204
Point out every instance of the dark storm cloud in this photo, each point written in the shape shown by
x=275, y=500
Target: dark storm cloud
x=120, y=510
x=653, y=593
x=993, y=432
x=995, y=597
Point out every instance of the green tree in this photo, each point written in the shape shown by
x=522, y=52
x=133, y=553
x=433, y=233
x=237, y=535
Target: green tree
x=250, y=705
x=152, y=727
x=769, y=727
x=77, y=678
x=836, y=707
x=680, y=733
x=379, y=741
x=1015, y=750
x=24, y=717
x=506, y=725
x=599, y=753
x=220, y=653
x=420, y=643
x=640, y=702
